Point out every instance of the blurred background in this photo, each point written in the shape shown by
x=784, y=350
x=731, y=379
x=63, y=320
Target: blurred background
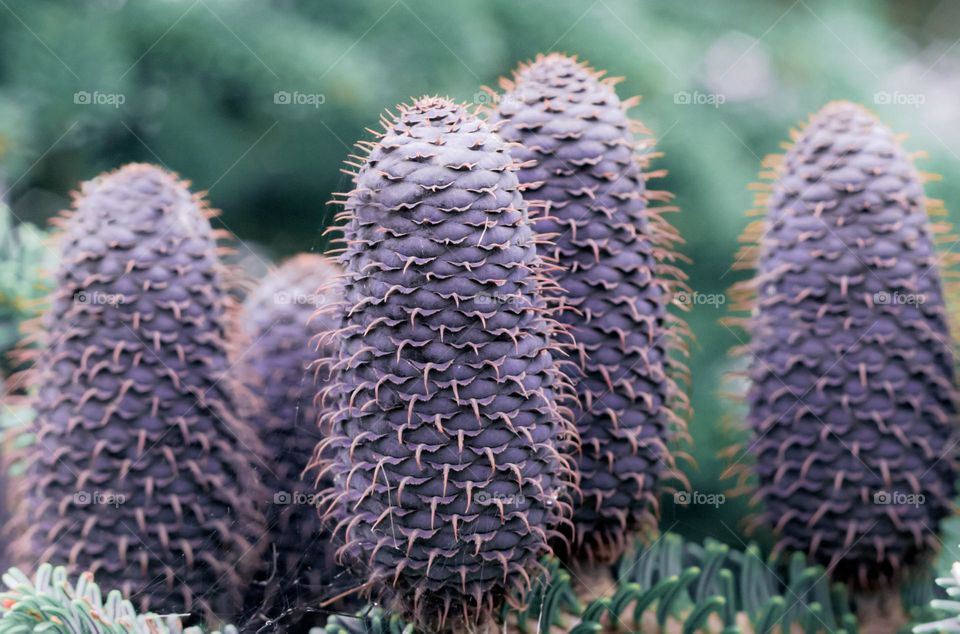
x=258, y=102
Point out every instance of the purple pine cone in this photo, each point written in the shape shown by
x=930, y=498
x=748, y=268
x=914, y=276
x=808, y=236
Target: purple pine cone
x=581, y=161
x=141, y=467
x=445, y=423
x=852, y=399
x=282, y=320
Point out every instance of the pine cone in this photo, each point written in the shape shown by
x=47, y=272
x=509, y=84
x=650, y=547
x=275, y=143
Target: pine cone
x=282, y=325
x=140, y=471
x=852, y=400
x=445, y=418
x=581, y=162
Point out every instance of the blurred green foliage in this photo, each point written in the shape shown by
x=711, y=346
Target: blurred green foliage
x=25, y=263
x=200, y=86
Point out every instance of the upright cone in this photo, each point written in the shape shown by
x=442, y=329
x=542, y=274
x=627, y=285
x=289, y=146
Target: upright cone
x=584, y=166
x=140, y=469
x=852, y=400
x=283, y=319
x=445, y=423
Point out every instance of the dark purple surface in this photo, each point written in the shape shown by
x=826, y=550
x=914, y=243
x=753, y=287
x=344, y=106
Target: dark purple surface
x=445, y=414
x=572, y=128
x=135, y=399
x=852, y=396
x=282, y=325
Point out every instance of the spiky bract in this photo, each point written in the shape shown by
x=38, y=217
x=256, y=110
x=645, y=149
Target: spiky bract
x=582, y=161
x=282, y=320
x=852, y=401
x=445, y=417
x=140, y=468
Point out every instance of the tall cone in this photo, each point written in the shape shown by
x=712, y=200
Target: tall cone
x=283, y=319
x=851, y=400
x=445, y=424
x=584, y=166
x=140, y=470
